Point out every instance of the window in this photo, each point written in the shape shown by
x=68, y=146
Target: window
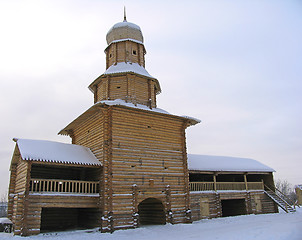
x=134, y=52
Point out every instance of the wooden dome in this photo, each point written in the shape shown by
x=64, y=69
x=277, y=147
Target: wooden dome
x=124, y=30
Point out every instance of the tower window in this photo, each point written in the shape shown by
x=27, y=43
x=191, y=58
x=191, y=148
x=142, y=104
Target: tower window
x=134, y=52
x=110, y=55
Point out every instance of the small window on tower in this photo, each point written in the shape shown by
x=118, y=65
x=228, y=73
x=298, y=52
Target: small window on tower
x=110, y=55
x=134, y=52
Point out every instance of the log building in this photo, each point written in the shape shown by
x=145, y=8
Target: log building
x=127, y=165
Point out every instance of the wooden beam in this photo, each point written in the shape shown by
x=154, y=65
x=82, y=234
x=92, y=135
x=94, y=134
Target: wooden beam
x=215, y=183
x=245, y=181
x=186, y=172
x=25, y=222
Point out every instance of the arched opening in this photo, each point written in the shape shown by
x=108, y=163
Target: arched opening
x=151, y=212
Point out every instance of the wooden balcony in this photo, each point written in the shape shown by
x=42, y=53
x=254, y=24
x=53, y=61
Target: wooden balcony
x=225, y=186
x=63, y=186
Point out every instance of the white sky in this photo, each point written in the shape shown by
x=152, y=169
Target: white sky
x=236, y=65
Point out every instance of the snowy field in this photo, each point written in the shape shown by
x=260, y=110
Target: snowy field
x=278, y=226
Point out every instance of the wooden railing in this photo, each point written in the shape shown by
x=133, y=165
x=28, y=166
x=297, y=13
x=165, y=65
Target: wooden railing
x=63, y=186
x=211, y=186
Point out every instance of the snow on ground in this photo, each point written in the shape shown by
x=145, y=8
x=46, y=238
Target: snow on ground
x=278, y=226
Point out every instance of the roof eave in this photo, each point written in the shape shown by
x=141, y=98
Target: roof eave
x=124, y=40
x=98, y=80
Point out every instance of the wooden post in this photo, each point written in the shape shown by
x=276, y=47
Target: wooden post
x=154, y=99
x=127, y=86
x=245, y=181
x=215, y=185
x=135, y=215
x=186, y=172
x=115, y=61
x=149, y=101
x=218, y=205
x=126, y=54
x=169, y=212
x=95, y=93
x=108, y=87
x=262, y=184
x=107, y=58
x=138, y=54
x=24, y=224
x=107, y=193
x=144, y=56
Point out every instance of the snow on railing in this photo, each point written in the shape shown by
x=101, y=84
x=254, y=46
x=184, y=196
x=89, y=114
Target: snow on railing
x=63, y=186
x=210, y=186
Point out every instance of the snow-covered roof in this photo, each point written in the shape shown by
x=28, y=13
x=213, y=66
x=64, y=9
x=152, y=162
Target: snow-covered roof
x=49, y=151
x=122, y=67
x=125, y=24
x=127, y=39
x=124, y=30
x=225, y=164
x=128, y=104
x=5, y=220
x=119, y=102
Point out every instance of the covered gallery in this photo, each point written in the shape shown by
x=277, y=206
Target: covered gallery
x=53, y=186
x=228, y=186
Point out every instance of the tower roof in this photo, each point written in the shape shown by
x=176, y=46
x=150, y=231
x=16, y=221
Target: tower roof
x=124, y=30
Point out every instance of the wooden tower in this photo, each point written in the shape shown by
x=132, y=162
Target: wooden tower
x=142, y=148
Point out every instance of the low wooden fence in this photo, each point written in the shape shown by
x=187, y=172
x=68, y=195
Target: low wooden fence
x=210, y=186
x=63, y=186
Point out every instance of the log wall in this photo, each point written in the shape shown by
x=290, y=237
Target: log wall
x=90, y=133
x=256, y=203
x=126, y=51
x=18, y=195
x=143, y=156
x=128, y=87
x=38, y=201
x=147, y=152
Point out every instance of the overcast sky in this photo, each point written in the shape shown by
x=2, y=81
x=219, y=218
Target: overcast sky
x=236, y=65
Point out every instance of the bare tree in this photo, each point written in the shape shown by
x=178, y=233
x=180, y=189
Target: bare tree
x=286, y=188
x=3, y=205
x=3, y=197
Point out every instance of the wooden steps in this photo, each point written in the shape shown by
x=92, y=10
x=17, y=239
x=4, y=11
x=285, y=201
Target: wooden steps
x=279, y=198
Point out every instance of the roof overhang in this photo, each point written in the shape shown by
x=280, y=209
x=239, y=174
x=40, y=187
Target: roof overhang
x=54, y=152
x=224, y=164
x=97, y=107
x=102, y=77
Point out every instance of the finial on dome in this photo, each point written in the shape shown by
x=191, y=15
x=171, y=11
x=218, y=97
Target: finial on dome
x=125, y=19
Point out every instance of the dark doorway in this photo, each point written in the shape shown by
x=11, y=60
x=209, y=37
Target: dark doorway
x=59, y=219
x=151, y=212
x=233, y=207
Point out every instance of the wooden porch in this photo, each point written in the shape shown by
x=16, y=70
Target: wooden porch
x=63, y=186
x=226, y=186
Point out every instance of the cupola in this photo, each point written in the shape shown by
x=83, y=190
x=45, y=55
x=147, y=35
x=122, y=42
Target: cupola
x=123, y=31
x=125, y=77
